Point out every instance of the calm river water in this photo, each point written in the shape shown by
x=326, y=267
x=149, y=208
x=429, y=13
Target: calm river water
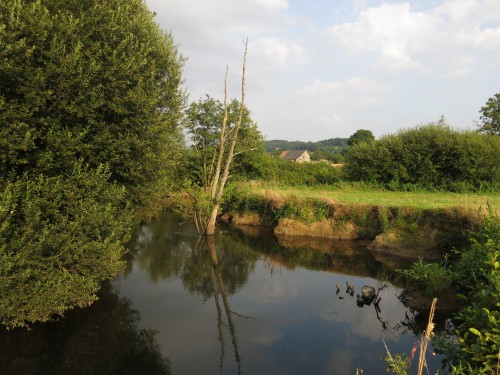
x=267, y=306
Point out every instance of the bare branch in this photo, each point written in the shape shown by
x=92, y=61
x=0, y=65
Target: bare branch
x=215, y=181
x=243, y=151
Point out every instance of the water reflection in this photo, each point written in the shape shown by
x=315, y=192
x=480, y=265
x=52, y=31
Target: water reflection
x=240, y=303
x=220, y=290
x=102, y=339
x=271, y=303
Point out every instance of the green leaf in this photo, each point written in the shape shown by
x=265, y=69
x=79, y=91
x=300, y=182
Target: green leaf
x=475, y=331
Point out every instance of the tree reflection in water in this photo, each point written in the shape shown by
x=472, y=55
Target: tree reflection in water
x=101, y=339
x=299, y=321
x=219, y=289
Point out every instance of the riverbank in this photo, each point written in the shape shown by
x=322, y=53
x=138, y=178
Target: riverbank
x=410, y=224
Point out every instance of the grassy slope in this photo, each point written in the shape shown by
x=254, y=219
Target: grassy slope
x=349, y=194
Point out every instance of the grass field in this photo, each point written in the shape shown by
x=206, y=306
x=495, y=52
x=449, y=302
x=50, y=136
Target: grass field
x=358, y=195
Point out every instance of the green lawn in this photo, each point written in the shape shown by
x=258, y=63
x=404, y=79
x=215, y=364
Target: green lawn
x=387, y=198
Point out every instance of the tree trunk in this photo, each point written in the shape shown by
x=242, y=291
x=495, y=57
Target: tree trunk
x=219, y=182
x=211, y=222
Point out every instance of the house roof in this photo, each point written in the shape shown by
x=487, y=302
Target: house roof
x=292, y=154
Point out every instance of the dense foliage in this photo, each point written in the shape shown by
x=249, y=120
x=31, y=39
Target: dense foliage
x=490, y=115
x=90, y=102
x=431, y=157
x=90, y=80
x=203, y=122
x=59, y=237
x=273, y=169
x=478, y=325
x=473, y=344
x=359, y=136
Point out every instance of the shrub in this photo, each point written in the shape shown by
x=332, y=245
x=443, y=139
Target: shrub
x=296, y=174
x=59, y=239
x=432, y=157
x=478, y=325
x=433, y=278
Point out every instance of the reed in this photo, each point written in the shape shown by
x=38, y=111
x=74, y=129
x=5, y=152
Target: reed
x=426, y=337
x=400, y=365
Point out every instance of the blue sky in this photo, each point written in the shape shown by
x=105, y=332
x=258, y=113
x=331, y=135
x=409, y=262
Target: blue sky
x=322, y=69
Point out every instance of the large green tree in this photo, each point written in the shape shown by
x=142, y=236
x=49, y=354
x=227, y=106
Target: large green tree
x=90, y=106
x=490, y=116
x=359, y=136
x=91, y=80
x=203, y=122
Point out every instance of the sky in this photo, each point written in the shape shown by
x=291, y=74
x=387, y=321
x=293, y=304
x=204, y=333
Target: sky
x=321, y=69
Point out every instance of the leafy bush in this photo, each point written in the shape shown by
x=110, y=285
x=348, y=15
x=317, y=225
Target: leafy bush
x=59, y=239
x=296, y=174
x=478, y=325
x=430, y=157
x=433, y=278
x=472, y=344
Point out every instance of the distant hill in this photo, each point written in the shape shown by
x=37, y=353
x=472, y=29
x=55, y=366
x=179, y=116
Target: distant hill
x=327, y=145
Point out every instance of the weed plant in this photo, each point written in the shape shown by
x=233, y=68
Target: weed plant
x=472, y=344
x=432, y=278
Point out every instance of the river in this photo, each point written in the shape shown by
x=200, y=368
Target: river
x=263, y=306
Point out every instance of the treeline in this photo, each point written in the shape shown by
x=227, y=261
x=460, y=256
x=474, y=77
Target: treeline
x=433, y=157
x=327, y=145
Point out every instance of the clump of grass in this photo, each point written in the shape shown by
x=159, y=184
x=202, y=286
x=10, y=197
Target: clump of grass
x=432, y=278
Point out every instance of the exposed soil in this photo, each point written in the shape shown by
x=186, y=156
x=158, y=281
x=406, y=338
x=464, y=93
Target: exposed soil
x=323, y=229
x=429, y=237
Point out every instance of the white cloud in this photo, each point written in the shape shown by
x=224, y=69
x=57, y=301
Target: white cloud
x=359, y=5
x=274, y=4
x=318, y=87
x=271, y=59
x=381, y=65
x=277, y=52
x=448, y=39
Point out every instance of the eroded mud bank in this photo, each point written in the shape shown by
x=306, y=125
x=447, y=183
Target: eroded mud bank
x=404, y=232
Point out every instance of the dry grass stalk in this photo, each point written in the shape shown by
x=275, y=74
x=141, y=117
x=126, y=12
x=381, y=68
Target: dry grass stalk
x=426, y=337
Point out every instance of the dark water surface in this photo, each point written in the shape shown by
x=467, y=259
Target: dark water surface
x=263, y=306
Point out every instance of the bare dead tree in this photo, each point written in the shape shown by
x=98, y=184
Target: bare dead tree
x=223, y=165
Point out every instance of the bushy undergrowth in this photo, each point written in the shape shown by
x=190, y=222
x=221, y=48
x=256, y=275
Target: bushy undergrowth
x=60, y=237
x=472, y=346
x=430, y=157
x=290, y=173
x=478, y=325
x=433, y=278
